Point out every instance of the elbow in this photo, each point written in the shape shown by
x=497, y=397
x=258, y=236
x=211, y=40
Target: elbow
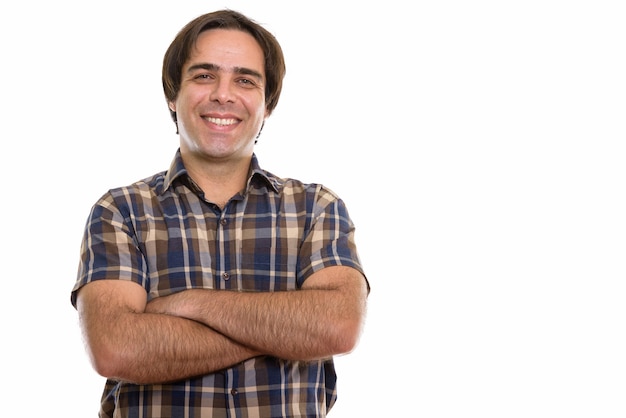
x=105, y=367
x=347, y=331
x=108, y=362
x=346, y=337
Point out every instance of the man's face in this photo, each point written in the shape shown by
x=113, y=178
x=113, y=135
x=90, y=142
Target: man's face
x=221, y=103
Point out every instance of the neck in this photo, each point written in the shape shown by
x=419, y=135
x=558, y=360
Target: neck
x=219, y=180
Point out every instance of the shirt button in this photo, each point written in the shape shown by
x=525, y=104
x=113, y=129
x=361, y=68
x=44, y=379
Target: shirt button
x=223, y=221
x=225, y=276
x=234, y=392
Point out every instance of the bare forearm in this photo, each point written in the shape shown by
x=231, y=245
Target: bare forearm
x=153, y=348
x=300, y=325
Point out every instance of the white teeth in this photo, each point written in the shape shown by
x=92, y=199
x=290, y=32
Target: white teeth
x=221, y=122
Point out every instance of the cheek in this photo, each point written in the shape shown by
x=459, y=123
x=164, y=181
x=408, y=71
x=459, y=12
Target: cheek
x=188, y=99
x=258, y=110
x=255, y=104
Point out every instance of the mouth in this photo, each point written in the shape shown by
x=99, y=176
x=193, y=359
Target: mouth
x=220, y=121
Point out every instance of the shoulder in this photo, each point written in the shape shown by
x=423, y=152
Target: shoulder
x=125, y=198
x=295, y=187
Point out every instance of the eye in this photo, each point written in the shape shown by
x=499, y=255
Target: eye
x=203, y=77
x=246, y=82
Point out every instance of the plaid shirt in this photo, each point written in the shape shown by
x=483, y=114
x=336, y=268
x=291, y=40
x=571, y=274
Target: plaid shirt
x=161, y=233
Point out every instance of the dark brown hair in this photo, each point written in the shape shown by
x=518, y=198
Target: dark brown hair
x=180, y=49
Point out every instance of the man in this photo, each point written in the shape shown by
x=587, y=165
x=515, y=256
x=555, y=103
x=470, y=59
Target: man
x=215, y=288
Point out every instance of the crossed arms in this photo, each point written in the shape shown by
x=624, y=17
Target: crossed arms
x=200, y=331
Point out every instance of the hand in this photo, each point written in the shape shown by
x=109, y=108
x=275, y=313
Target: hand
x=160, y=305
x=177, y=304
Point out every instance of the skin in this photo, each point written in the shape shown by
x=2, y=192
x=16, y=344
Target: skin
x=200, y=331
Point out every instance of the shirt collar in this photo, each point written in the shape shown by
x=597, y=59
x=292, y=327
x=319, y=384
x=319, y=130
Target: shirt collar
x=177, y=170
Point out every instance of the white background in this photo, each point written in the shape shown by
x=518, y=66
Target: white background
x=477, y=144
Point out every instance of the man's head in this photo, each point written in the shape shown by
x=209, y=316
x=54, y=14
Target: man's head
x=181, y=48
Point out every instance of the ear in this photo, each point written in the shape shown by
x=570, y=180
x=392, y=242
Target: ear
x=172, y=106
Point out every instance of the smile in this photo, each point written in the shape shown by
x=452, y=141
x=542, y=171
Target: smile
x=221, y=122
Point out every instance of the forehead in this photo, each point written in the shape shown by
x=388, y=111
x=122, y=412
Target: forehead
x=227, y=48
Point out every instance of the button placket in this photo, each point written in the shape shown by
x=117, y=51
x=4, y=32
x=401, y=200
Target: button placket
x=222, y=224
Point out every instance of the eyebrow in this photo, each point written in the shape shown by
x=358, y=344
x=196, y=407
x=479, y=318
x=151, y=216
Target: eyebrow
x=215, y=67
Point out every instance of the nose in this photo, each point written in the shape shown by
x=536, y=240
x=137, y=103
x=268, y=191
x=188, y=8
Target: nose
x=222, y=91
